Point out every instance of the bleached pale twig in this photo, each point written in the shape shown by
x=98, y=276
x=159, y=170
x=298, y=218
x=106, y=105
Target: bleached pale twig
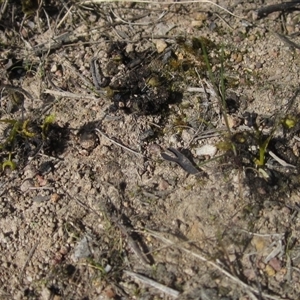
x=278, y=250
x=64, y=17
x=279, y=235
x=163, y=288
x=138, y=23
x=195, y=89
x=3, y=8
x=281, y=161
x=163, y=3
x=70, y=95
x=41, y=188
x=118, y=144
x=297, y=138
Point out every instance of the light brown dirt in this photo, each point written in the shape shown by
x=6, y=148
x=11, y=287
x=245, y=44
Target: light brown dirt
x=72, y=221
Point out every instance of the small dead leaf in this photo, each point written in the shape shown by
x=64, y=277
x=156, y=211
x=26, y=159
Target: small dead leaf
x=109, y=292
x=55, y=197
x=161, y=45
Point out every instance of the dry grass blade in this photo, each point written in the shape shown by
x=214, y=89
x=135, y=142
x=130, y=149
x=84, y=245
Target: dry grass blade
x=69, y=65
x=138, y=23
x=277, y=251
x=212, y=264
x=118, y=144
x=162, y=3
x=16, y=89
x=3, y=8
x=30, y=255
x=163, y=288
x=70, y=95
x=281, y=161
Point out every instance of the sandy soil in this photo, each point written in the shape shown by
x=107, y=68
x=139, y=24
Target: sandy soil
x=87, y=212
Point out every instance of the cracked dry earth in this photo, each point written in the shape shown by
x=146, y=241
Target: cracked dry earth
x=86, y=212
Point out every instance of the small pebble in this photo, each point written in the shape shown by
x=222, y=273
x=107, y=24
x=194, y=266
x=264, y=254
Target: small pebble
x=161, y=45
x=28, y=183
x=270, y=271
x=275, y=263
x=239, y=58
x=290, y=29
x=53, y=68
x=259, y=243
x=206, y=150
x=163, y=185
x=252, y=37
x=154, y=149
x=196, y=23
x=40, y=199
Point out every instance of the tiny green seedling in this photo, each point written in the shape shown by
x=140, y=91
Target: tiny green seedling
x=19, y=131
x=237, y=142
x=47, y=122
x=9, y=163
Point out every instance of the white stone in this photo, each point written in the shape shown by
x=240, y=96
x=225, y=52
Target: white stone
x=209, y=150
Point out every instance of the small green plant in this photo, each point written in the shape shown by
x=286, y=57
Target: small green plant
x=96, y=265
x=262, y=144
x=19, y=132
x=9, y=163
x=18, y=128
x=220, y=89
x=47, y=122
x=289, y=122
x=262, y=141
x=238, y=142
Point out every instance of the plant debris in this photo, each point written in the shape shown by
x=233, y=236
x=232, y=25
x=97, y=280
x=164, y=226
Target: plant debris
x=140, y=86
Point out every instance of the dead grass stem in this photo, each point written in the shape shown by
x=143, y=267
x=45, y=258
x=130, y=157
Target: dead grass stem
x=213, y=264
x=162, y=3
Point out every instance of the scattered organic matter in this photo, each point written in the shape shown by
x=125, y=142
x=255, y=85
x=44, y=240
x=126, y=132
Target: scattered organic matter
x=23, y=139
x=92, y=93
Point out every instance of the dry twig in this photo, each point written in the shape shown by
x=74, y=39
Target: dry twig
x=162, y=3
x=163, y=288
x=70, y=95
x=118, y=144
x=212, y=264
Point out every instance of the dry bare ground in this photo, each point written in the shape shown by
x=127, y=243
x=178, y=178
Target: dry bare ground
x=149, y=150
